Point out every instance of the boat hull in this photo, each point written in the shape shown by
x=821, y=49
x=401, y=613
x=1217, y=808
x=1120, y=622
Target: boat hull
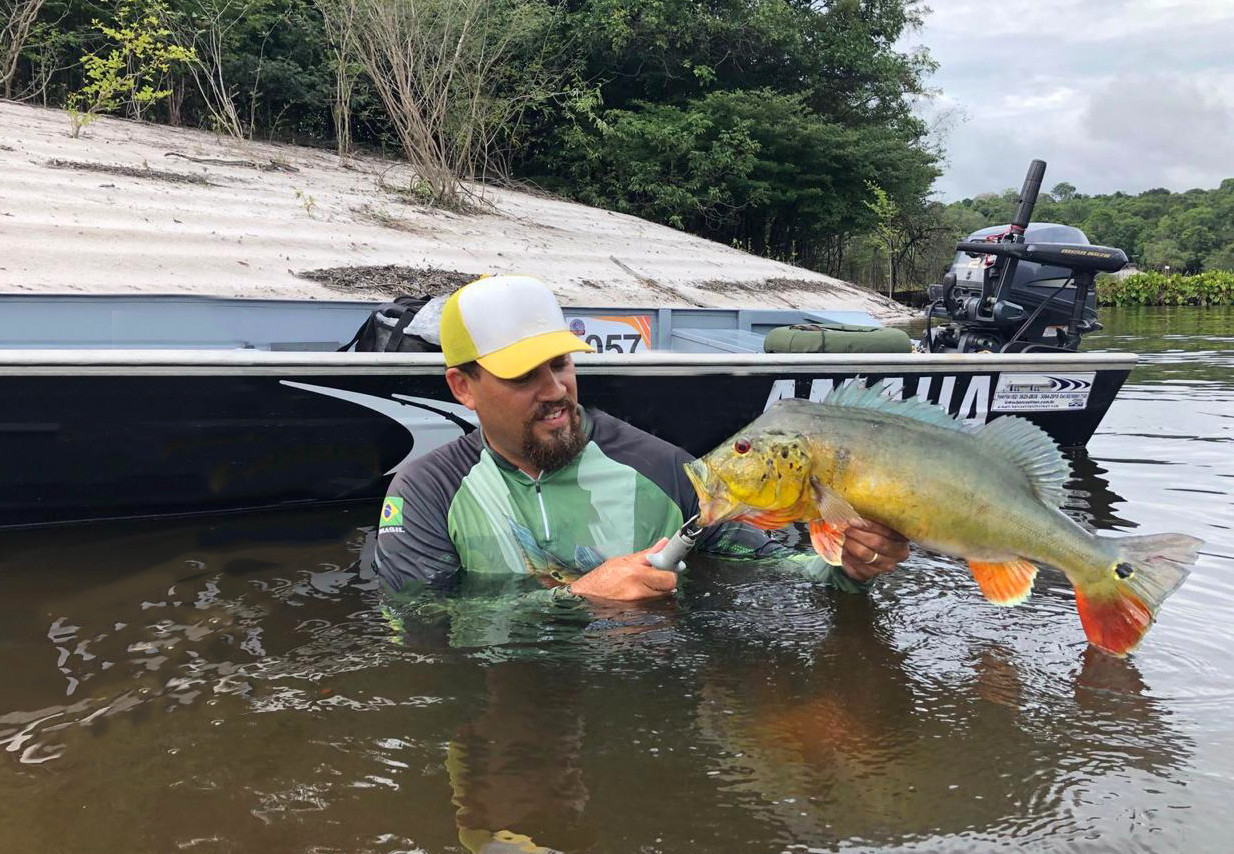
x=94, y=434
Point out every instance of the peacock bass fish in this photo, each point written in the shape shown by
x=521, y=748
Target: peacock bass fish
x=989, y=494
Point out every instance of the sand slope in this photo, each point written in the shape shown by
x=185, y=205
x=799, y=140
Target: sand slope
x=71, y=221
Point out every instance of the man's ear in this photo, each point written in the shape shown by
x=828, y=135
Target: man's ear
x=461, y=387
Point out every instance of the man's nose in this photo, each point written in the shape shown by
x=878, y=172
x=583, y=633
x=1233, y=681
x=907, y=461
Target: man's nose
x=551, y=386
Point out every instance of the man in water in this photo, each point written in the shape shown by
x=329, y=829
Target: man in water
x=576, y=497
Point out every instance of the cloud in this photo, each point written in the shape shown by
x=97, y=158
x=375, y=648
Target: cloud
x=1114, y=95
x=1182, y=128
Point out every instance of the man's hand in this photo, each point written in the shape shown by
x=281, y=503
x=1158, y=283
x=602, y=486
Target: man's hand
x=870, y=549
x=627, y=579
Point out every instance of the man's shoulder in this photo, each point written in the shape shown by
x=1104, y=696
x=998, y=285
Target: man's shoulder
x=441, y=470
x=654, y=458
x=613, y=434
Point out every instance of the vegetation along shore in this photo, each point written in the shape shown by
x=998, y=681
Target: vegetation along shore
x=1211, y=287
x=784, y=129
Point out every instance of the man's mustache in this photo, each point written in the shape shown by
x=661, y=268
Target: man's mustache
x=544, y=409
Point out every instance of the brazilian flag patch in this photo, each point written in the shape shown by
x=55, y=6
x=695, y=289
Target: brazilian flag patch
x=392, y=513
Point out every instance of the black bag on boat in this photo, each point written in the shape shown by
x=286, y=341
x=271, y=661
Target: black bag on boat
x=385, y=331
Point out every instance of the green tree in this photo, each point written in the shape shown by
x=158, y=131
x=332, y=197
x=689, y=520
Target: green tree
x=1165, y=253
x=1063, y=191
x=140, y=57
x=817, y=93
x=886, y=225
x=757, y=169
x=1221, y=259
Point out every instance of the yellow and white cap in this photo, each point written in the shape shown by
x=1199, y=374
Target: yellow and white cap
x=509, y=324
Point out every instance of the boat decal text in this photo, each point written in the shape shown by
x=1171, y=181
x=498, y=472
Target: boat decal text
x=614, y=333
x=966, y=396
x=1042, y=392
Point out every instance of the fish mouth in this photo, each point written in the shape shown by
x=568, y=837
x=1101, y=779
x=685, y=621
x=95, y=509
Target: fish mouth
x=715, y=502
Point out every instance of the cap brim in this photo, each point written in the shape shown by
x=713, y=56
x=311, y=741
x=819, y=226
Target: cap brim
x=527, y=355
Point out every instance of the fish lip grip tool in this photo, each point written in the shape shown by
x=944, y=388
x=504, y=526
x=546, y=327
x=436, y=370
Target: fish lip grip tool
x=671, y=556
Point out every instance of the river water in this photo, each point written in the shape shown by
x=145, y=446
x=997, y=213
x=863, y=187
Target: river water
x=232, y=685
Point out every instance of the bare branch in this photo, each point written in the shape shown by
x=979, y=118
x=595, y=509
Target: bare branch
x=16, y=19
x=442, y=69
x=207, y=34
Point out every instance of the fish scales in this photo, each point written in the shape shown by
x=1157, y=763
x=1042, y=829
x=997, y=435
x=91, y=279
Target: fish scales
x=957, y=492
x=990, y=494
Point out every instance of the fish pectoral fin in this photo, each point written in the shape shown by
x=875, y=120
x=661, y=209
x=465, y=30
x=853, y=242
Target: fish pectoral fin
x=831, y=505
x=1007, y=583
x=834, y=516
x=769, y=520
x=828, y=540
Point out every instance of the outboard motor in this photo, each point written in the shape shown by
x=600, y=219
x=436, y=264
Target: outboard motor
x=1021, y=287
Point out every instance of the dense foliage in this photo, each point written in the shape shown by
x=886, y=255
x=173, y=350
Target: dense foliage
x=761, y=123
x=754, y=122
x=1183, y=232
x=780, y=126
x=1213, y=287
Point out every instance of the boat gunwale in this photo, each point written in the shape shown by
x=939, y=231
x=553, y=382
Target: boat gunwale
x=189, y=362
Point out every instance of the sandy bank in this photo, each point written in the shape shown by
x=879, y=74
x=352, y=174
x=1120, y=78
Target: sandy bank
x=133, y=207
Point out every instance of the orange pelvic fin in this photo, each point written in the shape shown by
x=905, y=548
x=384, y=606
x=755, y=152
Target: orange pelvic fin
x=828, y=540
x=1007, y=583
x=770, y=520
x=1114, y=623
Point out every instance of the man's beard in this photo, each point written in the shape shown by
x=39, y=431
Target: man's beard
x=561, y=446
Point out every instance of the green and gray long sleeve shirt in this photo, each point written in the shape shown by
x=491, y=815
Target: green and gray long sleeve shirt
x=462, y=507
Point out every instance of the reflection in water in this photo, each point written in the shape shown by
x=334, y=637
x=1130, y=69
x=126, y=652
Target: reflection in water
x=1090, y=499
x=866, y=741
x=237, y=685
x=515, y=765
x=1176, y=344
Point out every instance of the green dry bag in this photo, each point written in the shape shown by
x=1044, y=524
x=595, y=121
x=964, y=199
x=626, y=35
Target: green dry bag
x=836, y=338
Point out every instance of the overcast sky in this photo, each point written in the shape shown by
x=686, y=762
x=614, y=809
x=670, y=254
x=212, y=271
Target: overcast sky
x=1112, y=94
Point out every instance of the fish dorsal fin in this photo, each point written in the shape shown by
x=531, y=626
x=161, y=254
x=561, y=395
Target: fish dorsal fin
x=1031, y=449
x=856, y=395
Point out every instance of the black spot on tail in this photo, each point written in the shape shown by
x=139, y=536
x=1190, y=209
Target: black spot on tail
x=1124, y=570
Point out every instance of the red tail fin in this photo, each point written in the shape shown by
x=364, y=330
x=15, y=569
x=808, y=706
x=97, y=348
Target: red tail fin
x=1119, y=604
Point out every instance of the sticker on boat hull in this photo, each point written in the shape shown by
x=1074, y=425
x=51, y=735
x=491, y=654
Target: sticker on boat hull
x=1042, y=392
x=614, y=333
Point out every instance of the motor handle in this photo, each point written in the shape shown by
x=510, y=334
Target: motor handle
x=1028, y=196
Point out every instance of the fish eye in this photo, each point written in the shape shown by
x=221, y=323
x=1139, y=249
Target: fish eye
x=742, y=445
